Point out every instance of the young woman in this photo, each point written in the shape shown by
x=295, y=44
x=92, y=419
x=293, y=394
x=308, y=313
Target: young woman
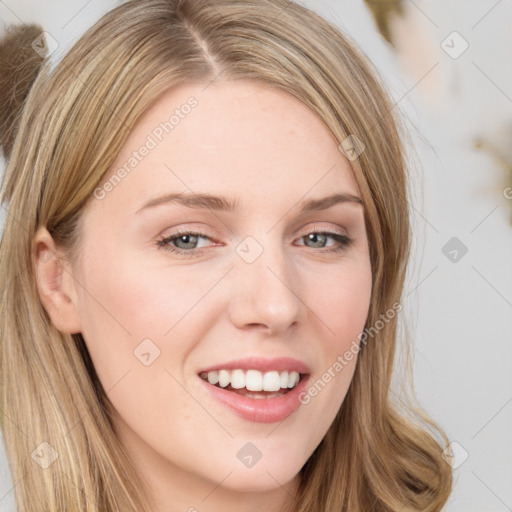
x=202, y=267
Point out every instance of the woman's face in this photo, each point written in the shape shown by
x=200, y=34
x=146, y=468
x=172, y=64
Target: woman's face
x=173, y=286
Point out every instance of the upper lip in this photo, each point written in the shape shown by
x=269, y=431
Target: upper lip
x=279, y=364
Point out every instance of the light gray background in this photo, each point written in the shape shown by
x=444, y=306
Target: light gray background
x=460, y=312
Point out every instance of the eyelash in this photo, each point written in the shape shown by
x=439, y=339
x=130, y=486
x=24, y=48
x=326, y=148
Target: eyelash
x=164, y=243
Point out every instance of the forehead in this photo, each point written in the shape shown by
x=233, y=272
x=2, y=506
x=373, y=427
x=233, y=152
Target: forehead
x=238, y=139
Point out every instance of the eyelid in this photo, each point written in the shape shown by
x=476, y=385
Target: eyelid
x=324, y=229
x=198, y=229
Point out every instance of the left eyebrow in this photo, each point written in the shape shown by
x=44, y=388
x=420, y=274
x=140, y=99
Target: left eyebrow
x=327, y=202
x=220, y=203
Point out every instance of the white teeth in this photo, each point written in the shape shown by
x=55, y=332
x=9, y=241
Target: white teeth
x=237, y=379
x=213, y=377
x=284, y=379
x=271, y=381
x=224, y=378
x=253, y=380
x=293, y=379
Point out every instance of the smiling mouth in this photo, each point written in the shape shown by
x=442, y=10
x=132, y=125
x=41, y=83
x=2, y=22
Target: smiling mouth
x=253, y=383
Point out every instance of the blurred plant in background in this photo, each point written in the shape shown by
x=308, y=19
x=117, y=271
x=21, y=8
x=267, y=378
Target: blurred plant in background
x=503, y=159
x=383, y=11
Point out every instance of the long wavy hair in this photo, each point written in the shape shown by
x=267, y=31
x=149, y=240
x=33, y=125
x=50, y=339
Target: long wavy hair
x=377, y=455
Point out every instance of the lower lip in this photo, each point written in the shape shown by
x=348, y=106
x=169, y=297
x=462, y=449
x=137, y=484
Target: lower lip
x=261, y=410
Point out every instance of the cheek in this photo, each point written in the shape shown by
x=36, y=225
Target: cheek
x=340, y=307
x=338, y=300
x=133, y=330
x=118, y=310
x=130, y=297
x=128, y=309
x=341, y=302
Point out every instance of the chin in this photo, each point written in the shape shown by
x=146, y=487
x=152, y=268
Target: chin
x=258, y=481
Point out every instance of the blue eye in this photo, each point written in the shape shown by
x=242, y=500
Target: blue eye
x=321, y=237
x=182, y=242
x=185, y=242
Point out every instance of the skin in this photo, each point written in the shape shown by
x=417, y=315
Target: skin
x=268, y=151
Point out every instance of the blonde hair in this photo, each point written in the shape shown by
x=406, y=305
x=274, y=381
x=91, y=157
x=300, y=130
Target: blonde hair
x=74, y=122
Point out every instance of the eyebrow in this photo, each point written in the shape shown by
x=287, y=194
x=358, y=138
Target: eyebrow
x=219, y=203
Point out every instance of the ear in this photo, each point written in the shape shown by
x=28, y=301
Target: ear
x=55, y=283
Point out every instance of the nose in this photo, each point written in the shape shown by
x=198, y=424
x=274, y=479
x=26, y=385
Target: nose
x=265, y=294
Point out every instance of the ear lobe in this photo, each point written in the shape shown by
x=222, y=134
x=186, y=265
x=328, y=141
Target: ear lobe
x=55, y=283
